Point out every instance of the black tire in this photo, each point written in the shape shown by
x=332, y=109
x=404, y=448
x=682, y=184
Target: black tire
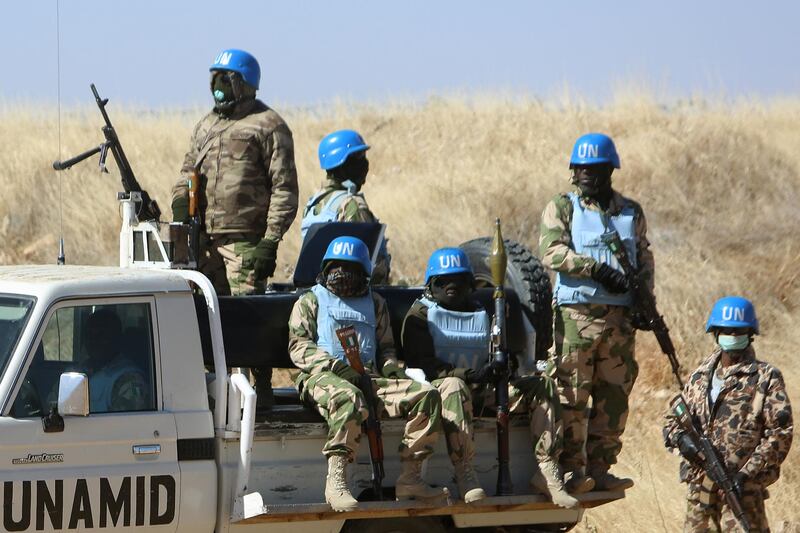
x=526, y=275
x=395, y=525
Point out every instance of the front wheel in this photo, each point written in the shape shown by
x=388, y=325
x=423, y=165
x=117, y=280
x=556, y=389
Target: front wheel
x=526, y=275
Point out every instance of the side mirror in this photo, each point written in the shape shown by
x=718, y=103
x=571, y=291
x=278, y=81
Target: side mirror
x=73, y=394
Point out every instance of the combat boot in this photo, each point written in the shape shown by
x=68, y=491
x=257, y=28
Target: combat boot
x=336, y=492
x=577, y=483
x=548, y=480
x=410, y=485
x=608, y=481
x=469, y=488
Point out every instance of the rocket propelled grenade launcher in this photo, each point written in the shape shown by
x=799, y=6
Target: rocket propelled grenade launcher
x=372, y=425
x=497, y=262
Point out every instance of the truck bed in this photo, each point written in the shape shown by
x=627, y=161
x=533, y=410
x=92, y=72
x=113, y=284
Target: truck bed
x=288, y=470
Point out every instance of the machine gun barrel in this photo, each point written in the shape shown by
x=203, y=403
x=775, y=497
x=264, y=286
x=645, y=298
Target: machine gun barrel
x=497, y=262
x=372, y=426
x=64, y=165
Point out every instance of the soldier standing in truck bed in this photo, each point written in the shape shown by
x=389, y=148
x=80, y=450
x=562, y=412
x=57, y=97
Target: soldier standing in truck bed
x=595, y=318
x=343, y=155
x=248, y=195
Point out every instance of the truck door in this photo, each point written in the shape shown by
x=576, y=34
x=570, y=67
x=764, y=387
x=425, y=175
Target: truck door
x=116, y=467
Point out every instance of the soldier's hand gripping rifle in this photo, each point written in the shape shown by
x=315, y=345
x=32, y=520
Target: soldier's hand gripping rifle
x=645, y=304
x=148, y=208
x=372, y=425
x=708, y=459
x=497, y=262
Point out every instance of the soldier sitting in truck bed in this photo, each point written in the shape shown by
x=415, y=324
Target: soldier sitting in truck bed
x=342, y=297
x=446, y=334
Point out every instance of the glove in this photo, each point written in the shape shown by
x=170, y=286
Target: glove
x=391, y=370
x=688, y=449
x=346, y=372
x=265, y=255
x=613, y=280
x=485, y=374
x=739, y=479
x=180, y=209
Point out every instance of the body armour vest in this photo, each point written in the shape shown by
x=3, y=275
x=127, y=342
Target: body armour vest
x=587, y=228
x=328, y=213
x=459, y=338
x=334, y=313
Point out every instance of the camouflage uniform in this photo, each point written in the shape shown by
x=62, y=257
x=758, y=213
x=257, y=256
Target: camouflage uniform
x=535, y=395
x=352, y=209
x=342, y=404
x=248, y=190
x=594, y=343
x=750, y=425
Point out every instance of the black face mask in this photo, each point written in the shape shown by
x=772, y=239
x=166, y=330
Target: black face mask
x=452, y=292
x=594, y=181
x=345, y=282
x=354, y=169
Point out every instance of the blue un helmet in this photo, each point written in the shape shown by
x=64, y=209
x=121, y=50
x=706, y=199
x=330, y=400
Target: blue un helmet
x=336, y=147
x=594, y=149
x=350, y=249
x=239, y=61
x=446, y=261
x=733, y=312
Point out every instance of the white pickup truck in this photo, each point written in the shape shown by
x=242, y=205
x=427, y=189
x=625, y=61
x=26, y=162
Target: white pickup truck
x=117, y=408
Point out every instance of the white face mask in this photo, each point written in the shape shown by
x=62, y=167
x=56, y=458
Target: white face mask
x=733, y=343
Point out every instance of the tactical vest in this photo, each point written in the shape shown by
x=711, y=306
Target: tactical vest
x=101, y=384
x=459, y=338
x=587, y=228
x=328, y=213
x=335, y=313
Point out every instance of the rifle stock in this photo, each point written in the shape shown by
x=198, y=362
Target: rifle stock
x=645, y=303
x=497, y=262
x=372, y=426
x=194, y=217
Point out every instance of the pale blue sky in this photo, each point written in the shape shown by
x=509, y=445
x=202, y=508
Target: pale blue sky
x=157, y=53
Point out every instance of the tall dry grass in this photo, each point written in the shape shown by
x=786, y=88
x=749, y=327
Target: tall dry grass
x=719, y=183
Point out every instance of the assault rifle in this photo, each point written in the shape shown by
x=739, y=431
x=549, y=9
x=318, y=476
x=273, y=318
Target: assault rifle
x=708, y=459
x=372, y=425
x=497, y=262
x=645, y=305
x=148, y=208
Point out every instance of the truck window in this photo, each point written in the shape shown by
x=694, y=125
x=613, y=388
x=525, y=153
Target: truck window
x=112, y=344
x=14, y=312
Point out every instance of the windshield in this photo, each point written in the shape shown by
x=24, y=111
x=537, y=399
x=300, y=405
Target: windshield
x=14, y=313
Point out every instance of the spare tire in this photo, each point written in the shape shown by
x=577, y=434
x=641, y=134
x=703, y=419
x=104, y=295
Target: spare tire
x=526, y=275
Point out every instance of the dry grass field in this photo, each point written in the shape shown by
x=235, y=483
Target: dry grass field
x=718, y=181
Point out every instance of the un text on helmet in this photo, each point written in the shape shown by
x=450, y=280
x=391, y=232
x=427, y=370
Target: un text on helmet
x=586, y=150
